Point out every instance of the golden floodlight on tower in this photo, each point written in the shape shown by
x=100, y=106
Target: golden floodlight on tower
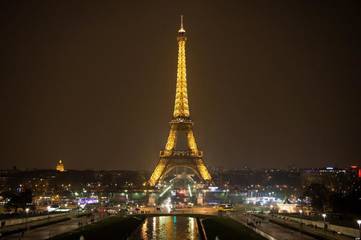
x=181, y=123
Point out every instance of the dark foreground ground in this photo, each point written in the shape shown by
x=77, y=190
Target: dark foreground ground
x=227, y=228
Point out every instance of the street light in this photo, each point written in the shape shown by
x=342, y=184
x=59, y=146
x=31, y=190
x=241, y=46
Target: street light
x=324, y=220
x=27, y=212
x=359, y=226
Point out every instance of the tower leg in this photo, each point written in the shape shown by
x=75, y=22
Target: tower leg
x=203, y=170
x=158, y=172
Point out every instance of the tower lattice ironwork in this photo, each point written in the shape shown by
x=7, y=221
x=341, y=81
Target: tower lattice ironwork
x=181, y=123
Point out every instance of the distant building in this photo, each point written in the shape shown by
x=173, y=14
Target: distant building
x=287, y=207
x=60, y=166
x=334, y=179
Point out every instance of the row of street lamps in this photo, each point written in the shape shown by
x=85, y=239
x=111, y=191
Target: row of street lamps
x=358, y=222
x=324, y=215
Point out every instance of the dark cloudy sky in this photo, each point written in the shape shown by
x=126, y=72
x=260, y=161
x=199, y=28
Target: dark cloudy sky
x=271, y=83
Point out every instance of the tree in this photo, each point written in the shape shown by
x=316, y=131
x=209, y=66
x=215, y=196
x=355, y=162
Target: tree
x=320, y=196
x=18, y=200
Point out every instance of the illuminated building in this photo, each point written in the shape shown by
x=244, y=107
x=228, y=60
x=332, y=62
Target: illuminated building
x=287, y=207
x=171, y=157
x=60, y=166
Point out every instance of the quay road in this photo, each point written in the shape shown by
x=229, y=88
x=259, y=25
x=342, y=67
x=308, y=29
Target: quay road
x=276, y=228
x=52, y=230
x=311, y=230
x=276, y=231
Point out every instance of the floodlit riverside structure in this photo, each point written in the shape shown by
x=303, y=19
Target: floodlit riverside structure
x=171, y=157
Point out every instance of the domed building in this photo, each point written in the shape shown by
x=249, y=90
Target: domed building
x=60, y=166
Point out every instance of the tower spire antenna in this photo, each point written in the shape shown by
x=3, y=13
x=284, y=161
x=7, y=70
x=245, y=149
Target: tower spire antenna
x=181, y=30
x=181, y=21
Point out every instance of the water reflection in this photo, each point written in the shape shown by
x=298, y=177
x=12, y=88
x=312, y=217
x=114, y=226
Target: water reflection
x=167, y=227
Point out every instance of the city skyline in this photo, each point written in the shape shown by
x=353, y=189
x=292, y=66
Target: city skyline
x=268, y=87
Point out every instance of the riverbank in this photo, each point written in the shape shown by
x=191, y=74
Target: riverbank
x=113, y=228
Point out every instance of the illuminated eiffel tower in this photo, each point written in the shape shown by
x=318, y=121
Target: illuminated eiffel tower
x=171, y=157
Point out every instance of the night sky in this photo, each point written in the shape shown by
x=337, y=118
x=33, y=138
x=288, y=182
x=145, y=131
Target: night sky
x=271, y=83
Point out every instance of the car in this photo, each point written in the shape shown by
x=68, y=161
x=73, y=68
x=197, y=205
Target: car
x=225, y=207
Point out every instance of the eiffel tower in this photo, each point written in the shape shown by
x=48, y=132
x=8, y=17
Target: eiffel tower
x=171, y=157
